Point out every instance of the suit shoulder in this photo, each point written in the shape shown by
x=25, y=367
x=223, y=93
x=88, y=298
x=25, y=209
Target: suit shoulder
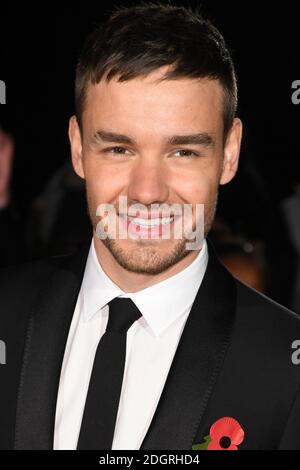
x=29, y=274
x=256, y=303
x=266, y=326
x=21, y=284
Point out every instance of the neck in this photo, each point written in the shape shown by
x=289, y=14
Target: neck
x=130, y=281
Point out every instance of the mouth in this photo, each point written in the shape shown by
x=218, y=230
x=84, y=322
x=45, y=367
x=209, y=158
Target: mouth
x=146, y=227
x=147, y=222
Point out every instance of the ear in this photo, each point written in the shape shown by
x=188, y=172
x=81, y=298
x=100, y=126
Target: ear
x=231, y=152
x=76, y=146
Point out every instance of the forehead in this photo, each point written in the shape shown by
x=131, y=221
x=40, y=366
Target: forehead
x=143, y=103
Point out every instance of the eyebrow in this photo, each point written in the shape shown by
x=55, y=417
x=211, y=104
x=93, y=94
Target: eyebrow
x=200, y=138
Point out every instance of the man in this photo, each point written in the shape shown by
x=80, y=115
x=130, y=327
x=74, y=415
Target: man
x=203, y=361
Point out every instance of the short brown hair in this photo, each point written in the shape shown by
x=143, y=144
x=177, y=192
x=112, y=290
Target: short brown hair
x=137, y=40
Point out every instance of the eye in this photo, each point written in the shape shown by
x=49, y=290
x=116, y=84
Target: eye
x=115, y=150
x=186, y=153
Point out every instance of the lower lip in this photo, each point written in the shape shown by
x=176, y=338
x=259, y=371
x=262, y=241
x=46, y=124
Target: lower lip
x=135, y=230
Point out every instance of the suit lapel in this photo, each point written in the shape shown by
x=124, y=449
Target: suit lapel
x=44, y=349
x=197, y=361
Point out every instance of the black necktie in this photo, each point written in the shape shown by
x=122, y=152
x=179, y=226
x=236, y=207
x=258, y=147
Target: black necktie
x=102, y=402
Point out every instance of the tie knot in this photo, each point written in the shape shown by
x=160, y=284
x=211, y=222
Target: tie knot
x=122, y=314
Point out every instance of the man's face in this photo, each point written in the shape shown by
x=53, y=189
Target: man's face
x=147, y=167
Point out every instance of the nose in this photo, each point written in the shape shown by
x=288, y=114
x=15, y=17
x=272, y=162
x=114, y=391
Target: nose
x=148, y=183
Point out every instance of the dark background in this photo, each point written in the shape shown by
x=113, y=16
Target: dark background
x=39, y=47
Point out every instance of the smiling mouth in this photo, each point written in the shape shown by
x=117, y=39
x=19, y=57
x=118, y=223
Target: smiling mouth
x=147, y=223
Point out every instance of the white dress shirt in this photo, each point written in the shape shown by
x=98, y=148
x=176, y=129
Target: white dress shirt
x=151, y=344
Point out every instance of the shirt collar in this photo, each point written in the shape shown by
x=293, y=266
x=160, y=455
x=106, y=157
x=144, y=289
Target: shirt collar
x=160, y=304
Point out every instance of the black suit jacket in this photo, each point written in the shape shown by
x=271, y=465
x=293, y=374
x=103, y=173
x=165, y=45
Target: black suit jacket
x=233, y=359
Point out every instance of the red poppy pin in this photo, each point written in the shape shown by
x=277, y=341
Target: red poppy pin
x=225, y=434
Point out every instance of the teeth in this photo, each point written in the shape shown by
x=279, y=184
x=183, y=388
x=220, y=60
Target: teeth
x=150, y=222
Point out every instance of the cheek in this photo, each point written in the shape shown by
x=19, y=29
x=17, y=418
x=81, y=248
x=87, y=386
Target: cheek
x=197, y=188
x=103, y=184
